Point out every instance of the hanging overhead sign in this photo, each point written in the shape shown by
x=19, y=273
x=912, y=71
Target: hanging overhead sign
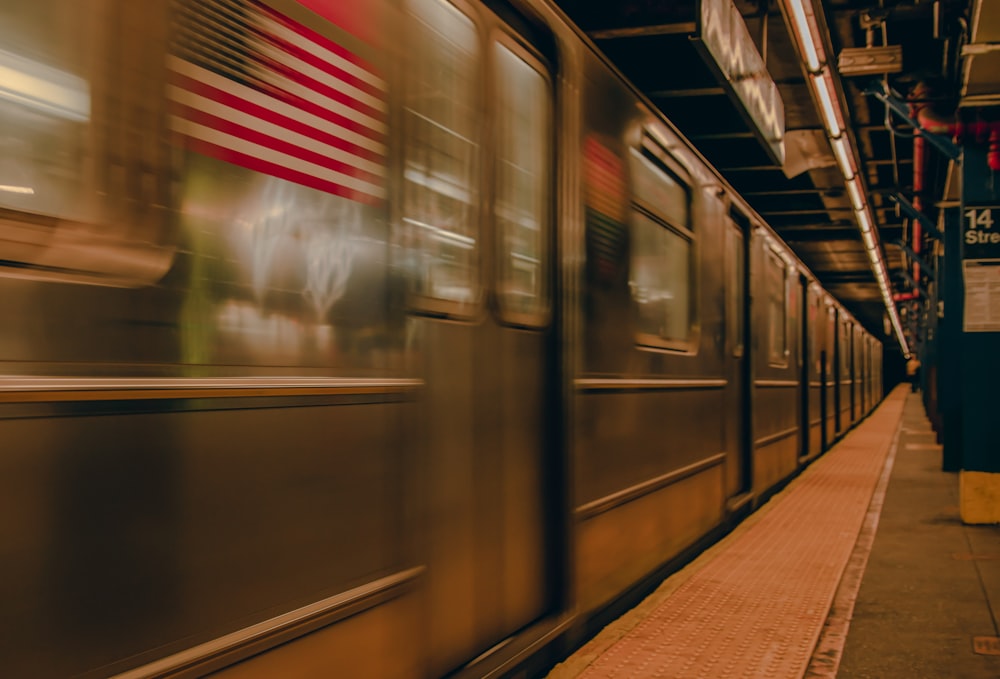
x=981, y=267
x=726, y=45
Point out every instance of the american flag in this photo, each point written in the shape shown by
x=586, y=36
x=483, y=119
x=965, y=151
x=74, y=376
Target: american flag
x=252, y=87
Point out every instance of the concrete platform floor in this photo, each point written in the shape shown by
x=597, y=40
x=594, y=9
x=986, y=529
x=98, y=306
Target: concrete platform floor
x=860, y=569
x=932, y=584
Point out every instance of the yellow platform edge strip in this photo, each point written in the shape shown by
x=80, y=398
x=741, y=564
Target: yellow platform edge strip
x=979, y=497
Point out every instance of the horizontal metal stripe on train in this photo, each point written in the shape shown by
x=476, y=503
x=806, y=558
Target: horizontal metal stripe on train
x=776, y=383
x=611, y=384
x=774, y=438
x=626, y=495
x=816, y=384
x=53, y=389
x=270, y=629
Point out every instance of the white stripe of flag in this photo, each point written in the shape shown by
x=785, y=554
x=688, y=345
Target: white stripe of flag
x=331, y=138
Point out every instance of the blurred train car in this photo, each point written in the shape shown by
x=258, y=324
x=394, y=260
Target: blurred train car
x=397, y=338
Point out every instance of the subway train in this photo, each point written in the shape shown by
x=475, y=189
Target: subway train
x=398, y=338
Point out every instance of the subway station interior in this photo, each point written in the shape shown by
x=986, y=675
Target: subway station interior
x=850, y=103
x=467, y=339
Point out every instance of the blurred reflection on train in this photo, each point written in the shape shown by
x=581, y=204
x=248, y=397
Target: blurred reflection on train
x=369, y=339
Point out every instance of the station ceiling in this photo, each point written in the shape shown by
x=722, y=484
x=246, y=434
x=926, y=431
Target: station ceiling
x=948, y=47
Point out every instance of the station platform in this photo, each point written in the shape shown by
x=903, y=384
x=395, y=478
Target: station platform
x=859, y=568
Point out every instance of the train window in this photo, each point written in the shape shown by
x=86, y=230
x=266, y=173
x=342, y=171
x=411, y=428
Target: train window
x=45, y=107
x=658, y=190
x=735, y=292
x=831, y=338
x=85, y=159
x=662, y=250
x=660, y=283
x=523, y=196
x=845, y=348
x=440, y=195
x=814, y=329
x=777, y=302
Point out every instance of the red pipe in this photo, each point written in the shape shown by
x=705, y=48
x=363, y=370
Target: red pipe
x=993, y=150
x=981, y=131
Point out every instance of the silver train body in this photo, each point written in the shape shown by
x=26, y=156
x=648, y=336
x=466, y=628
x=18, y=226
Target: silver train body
x=398, y=339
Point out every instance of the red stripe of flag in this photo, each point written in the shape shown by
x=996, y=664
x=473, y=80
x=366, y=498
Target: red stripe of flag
x=258, y=165
x=320, y=63
x=288, y=148
x=258, y=111
x=321, y=112
x=321, y=88
x=351, y=16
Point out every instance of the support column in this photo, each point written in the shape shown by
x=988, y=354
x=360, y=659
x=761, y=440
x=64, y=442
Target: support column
x=980, y=340
x=949, y=383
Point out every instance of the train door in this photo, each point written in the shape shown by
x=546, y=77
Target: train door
x=805, y=364
x=814, y=371
x=850, y=373
x=827, y=375
x=737, y=385
x=834, y=346
x=866, y=376
x=842, y=357
x=477, y=224
x=858, y=374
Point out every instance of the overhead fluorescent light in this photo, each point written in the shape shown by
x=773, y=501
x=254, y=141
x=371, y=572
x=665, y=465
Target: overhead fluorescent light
x=857, y=197
x=804, y=33
x=804, y=27
x=845, y=158
x=832, y=120
x=864, y=220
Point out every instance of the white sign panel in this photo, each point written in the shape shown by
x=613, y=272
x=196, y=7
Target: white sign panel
x=982, y=295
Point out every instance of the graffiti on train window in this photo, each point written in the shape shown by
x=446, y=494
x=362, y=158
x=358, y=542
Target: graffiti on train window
x=524, y=114
x=662, y=251
x=441, y=178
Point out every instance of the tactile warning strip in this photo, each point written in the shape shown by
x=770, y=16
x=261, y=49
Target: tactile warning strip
x=756, y=608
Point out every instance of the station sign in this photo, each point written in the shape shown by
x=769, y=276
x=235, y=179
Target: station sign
x=981, y=267
x=981, y=232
